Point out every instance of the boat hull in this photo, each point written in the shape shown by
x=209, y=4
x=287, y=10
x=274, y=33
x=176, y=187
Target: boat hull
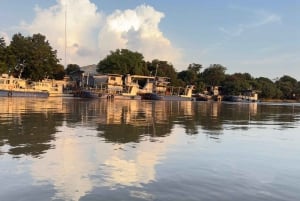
x=13, y=93
x=153, y=96
x=239, y=99
x=86, y=94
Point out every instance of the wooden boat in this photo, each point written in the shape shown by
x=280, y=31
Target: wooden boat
x=17, y=87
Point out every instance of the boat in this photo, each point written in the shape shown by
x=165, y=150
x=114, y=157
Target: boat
x=134, y=87
x=16, y=87
x=55, y=88
x=86, y=93
x=129, y=93
x=202, y=97
x=111, y=87
x=172, y=94
x=246, y=96
x=99, y=86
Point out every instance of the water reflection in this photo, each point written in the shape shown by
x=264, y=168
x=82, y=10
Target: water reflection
x=28, y=126
x=75, y=146
x=79, y=164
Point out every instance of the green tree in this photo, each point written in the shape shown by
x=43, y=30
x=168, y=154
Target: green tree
x=214, y=74
x=192, y=76
x=267, y=88
x=3, y=66
x=58, y=72
x=2, y=43
x=123, y=61
x=236, y=83
x=297, y=91
x=195, y=67
x=288, y=86
x=72, y=68
x=33, y=57
x=164, y=69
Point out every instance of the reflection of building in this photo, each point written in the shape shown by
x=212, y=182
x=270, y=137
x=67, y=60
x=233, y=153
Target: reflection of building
x=187, y=107
x=141, y=113
x=215, y=107
x=253, y=108
x=28, y=125
x=127, y=112
x=13, y=106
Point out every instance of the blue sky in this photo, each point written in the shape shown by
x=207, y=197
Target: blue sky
x=261, y=37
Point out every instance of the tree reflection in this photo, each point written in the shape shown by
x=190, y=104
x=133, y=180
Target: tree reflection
x=29, y=134
x=28, y=126
x=130, y=124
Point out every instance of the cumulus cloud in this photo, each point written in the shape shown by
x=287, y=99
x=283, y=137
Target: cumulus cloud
x=82, y=21
x=138, y=30
x=91, y=34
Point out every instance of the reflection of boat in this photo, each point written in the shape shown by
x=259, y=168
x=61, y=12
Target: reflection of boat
x=22, y=105
x=16, y=87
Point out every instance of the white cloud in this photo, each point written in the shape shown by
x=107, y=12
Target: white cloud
x=267, y=18
x=137, y=30
x=91, y=34
x=82, y=22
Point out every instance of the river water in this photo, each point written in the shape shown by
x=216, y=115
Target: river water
x=75, y=149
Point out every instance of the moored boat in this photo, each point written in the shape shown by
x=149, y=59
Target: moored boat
x=170, y=95
x=130, y=92
x=246, y=96
x=17, y=87
x=55, y=88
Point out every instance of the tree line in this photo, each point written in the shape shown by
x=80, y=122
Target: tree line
x=32, y=57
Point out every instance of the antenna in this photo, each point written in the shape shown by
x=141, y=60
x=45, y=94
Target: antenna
x=66, y=35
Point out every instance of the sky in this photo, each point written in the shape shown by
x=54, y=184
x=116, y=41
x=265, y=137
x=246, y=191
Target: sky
x=260, y=37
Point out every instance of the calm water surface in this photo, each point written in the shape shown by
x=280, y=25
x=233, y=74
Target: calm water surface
x=72, y=149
